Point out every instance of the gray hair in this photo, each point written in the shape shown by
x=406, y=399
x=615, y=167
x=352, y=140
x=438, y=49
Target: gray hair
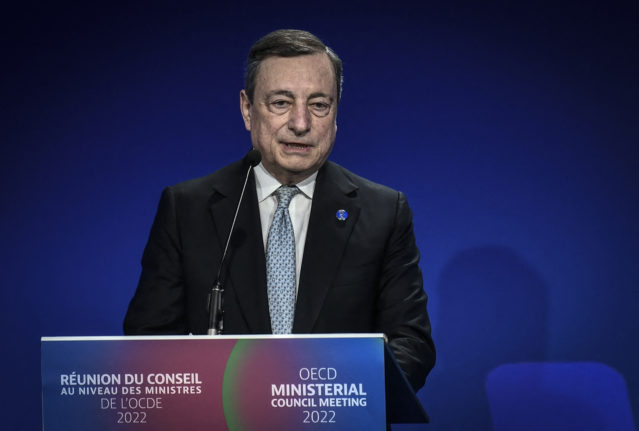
x=288, y=43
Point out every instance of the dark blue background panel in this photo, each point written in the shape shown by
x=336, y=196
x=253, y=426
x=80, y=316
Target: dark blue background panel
x=513, y=130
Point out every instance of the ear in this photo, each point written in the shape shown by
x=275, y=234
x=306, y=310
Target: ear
x=245, y=107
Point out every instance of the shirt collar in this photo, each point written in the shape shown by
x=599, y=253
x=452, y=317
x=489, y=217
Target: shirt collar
x=266, y=183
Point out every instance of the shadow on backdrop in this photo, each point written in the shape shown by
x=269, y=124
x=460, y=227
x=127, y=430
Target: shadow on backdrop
x=493, y=310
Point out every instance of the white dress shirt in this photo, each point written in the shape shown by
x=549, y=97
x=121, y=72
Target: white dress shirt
x=299, y=210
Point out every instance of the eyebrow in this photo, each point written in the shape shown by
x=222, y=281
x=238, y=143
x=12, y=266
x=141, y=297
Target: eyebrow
x=290, y=94
x=319, y=94
x=280, y=93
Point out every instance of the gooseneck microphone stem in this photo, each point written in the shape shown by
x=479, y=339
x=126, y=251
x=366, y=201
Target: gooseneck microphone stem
x=215, y=298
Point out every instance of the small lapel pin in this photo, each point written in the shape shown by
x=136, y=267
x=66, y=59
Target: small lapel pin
x=341, y=215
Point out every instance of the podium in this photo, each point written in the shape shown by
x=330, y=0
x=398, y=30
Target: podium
x=293, y=382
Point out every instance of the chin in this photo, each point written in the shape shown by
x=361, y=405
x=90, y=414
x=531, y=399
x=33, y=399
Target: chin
x=297, y=167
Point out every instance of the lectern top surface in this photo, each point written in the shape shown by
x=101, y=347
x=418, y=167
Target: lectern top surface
x=205, y=337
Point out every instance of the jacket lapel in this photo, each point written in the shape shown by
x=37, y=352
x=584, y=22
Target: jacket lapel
x=326, y=241
x=245, y=261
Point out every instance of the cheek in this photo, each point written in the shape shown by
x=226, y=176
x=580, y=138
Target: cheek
x=270, y=129
x=263, y=133
x=328, y=136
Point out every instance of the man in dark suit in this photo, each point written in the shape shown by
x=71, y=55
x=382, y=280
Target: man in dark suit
x=356, y=260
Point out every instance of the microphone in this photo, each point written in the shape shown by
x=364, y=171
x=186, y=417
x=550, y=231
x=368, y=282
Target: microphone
x=253, y=157
x=216, y=322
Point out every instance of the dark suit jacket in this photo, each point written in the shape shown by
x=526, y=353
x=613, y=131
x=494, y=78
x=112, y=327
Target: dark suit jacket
x=358, y=275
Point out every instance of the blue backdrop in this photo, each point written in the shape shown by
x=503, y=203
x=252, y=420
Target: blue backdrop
x=513, y=130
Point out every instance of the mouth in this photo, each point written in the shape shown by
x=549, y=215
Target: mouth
x=296, y=145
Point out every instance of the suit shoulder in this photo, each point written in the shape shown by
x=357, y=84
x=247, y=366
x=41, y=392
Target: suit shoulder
x=364, y=185
x=207, y=183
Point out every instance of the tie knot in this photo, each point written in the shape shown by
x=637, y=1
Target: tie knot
x=285, y=194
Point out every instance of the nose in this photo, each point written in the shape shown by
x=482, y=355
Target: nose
x=299, y=121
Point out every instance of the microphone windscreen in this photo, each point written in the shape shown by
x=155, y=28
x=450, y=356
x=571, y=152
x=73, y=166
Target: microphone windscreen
x=253, y=157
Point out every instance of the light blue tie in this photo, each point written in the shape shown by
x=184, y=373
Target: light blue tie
x=280, y=264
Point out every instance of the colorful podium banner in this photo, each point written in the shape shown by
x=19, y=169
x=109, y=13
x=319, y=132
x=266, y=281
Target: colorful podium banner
x=213, y=383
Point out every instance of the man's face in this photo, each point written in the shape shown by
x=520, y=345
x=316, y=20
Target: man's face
x=292, y=119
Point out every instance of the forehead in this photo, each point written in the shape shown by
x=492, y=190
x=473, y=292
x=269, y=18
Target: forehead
x=300, y=75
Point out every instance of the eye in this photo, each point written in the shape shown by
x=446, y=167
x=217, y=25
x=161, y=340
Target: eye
x=321, y=109
x=279, y=105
